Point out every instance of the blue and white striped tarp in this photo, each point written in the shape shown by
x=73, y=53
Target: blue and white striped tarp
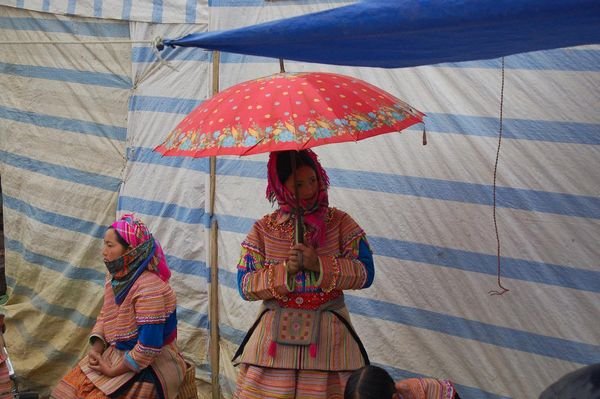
x=78, y=124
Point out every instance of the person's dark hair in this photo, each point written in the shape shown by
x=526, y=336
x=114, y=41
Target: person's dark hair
x=120, y=239
x=581, y=383
x=370, y=382
x=284, y=163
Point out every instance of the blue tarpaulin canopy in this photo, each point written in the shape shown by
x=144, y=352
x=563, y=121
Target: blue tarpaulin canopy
x=405, y=33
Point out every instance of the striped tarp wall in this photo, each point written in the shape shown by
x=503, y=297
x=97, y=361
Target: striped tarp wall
x=427, y=209
x=63, y=128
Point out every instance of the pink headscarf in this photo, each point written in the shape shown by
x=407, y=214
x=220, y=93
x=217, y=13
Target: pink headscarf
x=314, y=211
x=134, y=232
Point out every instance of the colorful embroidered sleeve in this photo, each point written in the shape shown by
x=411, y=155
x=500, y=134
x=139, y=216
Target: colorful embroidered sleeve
x=259, y=282
x=98, y=330
x=256, y=280
x=156, y=319
x=354, y=268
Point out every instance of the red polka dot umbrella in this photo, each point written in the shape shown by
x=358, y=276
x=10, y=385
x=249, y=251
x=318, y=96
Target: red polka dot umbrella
x=288, y=111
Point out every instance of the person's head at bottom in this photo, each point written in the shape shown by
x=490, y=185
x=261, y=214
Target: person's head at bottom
x=370, y=382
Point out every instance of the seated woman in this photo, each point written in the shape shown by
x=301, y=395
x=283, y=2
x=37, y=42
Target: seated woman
x=372, y=382
x=133, y=344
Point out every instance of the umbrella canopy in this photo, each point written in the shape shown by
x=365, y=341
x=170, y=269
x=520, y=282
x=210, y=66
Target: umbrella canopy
x=288, y=111
x=405, y=33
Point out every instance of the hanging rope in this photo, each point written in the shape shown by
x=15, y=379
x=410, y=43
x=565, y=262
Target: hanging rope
x=503, y=290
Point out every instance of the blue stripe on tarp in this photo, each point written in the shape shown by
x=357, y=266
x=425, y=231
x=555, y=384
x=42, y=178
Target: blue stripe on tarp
x=71, y=7
x=79, y=28
x=193, y=318
x=147, y=155
x=57, y=265
x=163, y=209
x=520, y=269
x=186, y=266
x=179, y=265
x=163, y=104
x=61, y=172
x=463, y=390
x=199, y=320
x=66, y=124
x=126, y=11
x=51, y=309
x=55, y=219
x=506, y=197
x=98, y=8
x=511, y=338
x=445, y=190
x=67, y=75
x=146, y=54
x=558, y=348
x=522, y=129
x=157, y=11
x=190, y=11
x=563, y=60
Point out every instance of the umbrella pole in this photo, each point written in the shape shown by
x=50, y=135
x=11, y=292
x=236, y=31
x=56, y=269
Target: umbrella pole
x=214, y=256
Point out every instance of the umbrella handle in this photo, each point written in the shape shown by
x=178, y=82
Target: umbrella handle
x=299, y=234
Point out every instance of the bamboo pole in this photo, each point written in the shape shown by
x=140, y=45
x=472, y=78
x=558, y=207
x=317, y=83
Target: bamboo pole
x=214, y=257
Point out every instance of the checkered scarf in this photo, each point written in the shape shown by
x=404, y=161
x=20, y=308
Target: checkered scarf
x=146, y=253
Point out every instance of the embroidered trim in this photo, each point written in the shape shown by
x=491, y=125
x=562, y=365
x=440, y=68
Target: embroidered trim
x=336, y=274
x=271, y=285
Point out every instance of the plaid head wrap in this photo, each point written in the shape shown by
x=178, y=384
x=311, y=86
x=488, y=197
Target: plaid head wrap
x=313, y=211
x=145, y=253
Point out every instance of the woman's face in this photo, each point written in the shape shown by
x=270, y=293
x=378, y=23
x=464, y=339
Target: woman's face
x=306, y=181
x=112, y=249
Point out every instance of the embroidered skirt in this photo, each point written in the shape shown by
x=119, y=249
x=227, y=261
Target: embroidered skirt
x=263, y=383
x=76, y=385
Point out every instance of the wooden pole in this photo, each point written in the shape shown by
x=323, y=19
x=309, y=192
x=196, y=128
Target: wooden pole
x=214, y=258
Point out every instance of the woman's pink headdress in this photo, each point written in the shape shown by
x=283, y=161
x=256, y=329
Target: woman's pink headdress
x=313, y=211
x=134, y=232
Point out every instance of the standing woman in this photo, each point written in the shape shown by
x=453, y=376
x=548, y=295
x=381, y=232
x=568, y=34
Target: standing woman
x=133, y=350
x=302, y=345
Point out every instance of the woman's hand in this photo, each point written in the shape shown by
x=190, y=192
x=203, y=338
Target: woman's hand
x=310, y=260
x=97, y=363
x=97, y=347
